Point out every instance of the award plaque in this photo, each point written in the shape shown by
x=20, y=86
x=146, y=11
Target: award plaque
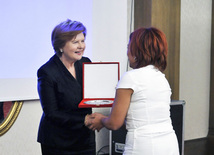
x=99, y=84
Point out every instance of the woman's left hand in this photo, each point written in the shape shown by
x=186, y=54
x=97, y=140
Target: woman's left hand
x=95, y=121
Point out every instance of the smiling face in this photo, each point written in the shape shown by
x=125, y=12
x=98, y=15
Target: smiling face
x=74, y=49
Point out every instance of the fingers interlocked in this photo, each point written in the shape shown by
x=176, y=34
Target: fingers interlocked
x=94, y=121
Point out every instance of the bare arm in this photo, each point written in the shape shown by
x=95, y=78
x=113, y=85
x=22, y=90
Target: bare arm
x=119, y=110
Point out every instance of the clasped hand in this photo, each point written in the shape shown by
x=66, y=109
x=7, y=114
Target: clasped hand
x=94, y=121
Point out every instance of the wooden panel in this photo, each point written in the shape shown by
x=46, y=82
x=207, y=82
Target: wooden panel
x=142, y=13
x=165, y=15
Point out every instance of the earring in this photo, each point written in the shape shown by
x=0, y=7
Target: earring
x=61, y=50
x=135, y=58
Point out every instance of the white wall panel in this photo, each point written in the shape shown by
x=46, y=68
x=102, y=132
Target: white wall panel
x=195, y=65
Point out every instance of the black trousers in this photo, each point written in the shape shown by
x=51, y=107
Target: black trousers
x=49, y=150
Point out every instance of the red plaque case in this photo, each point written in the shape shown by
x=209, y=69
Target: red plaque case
x=99, y=84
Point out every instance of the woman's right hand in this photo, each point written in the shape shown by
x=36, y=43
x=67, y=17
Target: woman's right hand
x=88, y=120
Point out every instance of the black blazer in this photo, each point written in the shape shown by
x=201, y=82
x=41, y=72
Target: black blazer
x=62, y=122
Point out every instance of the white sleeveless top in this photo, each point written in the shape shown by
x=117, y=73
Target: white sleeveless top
x=149, y=111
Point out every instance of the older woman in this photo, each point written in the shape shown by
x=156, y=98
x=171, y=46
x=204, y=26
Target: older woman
x=62, y=130
x=143, y=98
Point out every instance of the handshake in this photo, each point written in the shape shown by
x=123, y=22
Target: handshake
x=95, y=121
